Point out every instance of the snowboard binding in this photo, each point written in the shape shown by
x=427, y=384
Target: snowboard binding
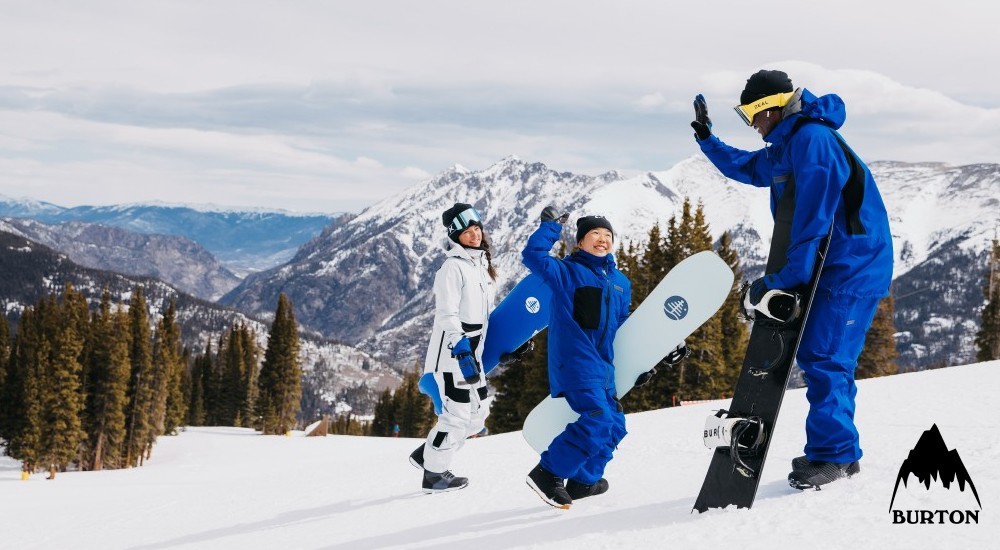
x=743, y=437
x=778, y=308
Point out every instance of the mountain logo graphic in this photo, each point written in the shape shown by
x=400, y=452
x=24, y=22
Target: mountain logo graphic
x=675, y=307
x=532, y=304
x=931, y=462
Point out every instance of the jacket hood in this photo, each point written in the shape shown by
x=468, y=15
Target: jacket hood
x=828, y=108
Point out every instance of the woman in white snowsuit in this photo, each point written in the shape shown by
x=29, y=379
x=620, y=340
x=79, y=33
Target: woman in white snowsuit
x=453, y=378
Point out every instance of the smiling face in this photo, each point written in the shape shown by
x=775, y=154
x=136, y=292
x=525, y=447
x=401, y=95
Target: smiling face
x=471, y=237
x=598, y=242
x=765, y=121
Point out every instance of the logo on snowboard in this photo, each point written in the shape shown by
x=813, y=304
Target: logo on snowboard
x=532, y=304
x=675, y=308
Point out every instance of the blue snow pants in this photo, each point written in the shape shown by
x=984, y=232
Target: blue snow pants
x=832, y=341
x=585, y=447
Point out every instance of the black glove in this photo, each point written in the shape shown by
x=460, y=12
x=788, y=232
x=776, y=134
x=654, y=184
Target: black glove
x=518, y=354
x=702, y=124
x=760, y=287
x=645, y=377
x=550, y=214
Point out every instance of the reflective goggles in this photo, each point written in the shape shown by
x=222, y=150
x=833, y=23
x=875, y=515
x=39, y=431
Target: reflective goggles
x=465, y=218
x=748, y=111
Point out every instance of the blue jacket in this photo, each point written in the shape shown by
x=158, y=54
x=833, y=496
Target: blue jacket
x=856, y=264
x=590, y=300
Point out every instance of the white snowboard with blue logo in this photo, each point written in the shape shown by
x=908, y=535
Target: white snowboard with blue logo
x=687, y=297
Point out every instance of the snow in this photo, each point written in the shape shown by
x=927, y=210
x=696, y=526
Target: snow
x=231, y=488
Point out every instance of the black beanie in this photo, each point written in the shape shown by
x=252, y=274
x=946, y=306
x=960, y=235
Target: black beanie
x=764, y=83
x=587, y=223
x=449, y=216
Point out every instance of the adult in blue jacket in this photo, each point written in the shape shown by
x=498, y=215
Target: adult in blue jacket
x=824, y=183
x=590, y=300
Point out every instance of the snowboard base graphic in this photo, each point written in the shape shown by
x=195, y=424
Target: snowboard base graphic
x=686, y=297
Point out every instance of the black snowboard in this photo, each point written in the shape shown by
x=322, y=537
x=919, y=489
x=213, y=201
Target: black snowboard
x=733, y=477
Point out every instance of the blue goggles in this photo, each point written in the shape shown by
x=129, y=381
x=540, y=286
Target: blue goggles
x=465, y=218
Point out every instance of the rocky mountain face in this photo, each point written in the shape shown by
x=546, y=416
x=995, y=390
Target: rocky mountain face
x=367, y=279
x=244, y=241
x=337, y=374
x=178, y=261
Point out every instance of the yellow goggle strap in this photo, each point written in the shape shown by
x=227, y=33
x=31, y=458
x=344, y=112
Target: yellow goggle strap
x=748, y=111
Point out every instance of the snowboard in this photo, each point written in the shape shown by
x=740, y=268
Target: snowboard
x=741, y=435
x=686, y=297
x=519, y=316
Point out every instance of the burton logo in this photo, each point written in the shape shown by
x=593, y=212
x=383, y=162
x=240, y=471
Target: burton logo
x=931, y=462
x=532, y=304
x=675, y=308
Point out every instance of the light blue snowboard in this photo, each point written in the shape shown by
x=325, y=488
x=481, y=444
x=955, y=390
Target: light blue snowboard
x=521, y=314
x=687, y=297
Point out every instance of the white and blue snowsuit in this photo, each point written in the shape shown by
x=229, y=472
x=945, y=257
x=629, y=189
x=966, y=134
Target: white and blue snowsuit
x=831, y=185
x=590, y=300
x=463, y=300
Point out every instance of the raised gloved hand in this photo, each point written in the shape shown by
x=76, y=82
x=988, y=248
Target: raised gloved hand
x=467, y=363
x=702, y=124
x=550, y=214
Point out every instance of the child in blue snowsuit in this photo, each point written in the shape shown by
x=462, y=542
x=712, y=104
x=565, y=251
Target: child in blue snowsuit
x=830, y=185
x=590, y=300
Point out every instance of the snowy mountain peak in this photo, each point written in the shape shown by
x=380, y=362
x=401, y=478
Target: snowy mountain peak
x=385, y=257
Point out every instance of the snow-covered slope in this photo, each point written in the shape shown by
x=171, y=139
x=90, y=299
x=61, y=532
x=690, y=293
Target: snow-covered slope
x=212, y=488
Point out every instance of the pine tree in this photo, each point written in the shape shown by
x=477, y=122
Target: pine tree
x=141, y=394
x=280, y=383
x=735, y=330
x=167, y=352
x=988, y=336
x=384, y=415
x=248, y=384
x=231, y=365
x=21, y=406
x=704, y=374
x=62, y=398
x=4, y=356
x=414, y=410
x=200, y=372
x=183, y=409
x=107, y=367
x=878, y=358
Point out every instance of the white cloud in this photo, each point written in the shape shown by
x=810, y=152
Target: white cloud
x=357, y=100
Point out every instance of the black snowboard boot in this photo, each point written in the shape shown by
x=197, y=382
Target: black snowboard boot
x=579, y=490
x=808, y=474
x=417, y=457
x=443, y=482
x=549, y=487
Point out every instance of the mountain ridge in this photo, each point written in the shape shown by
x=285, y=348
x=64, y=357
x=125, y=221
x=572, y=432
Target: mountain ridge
x=367, y=280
